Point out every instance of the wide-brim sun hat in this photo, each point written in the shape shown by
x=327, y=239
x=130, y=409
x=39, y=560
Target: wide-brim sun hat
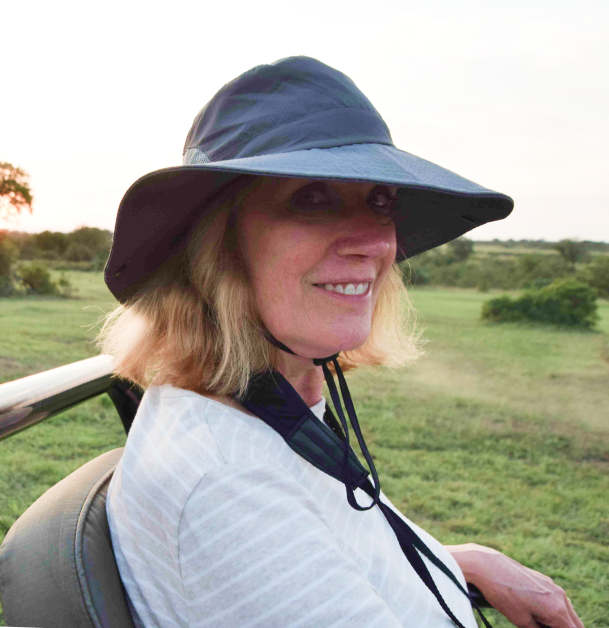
x=295, y=118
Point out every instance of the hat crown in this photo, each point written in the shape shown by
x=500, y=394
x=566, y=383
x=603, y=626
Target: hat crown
x=297, y=103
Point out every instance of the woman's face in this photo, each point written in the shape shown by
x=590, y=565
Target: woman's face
x=317, y=253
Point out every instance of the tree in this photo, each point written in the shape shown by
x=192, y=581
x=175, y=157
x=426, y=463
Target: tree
x=97, y=240
x=572, y=251
x=460, y=249
x=15, y=193
x=7, y=258
x=52, y=241
x=596, y=275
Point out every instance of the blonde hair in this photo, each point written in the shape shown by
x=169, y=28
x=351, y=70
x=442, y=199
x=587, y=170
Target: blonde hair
x=194, y=324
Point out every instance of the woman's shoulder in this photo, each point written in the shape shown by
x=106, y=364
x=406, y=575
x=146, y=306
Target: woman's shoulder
x=196, y=433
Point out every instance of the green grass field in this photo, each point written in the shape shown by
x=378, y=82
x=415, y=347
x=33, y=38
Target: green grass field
x=499, y=435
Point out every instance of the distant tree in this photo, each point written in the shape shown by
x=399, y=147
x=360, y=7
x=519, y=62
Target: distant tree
x=96, y=240
x=460, y=249
x=596, y=275
x=55, y=241
x=7, y=259
x=78, y=252
x=15, y=193
x=571, y=250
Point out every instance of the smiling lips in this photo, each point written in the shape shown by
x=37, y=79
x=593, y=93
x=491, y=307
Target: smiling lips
x=345, y=288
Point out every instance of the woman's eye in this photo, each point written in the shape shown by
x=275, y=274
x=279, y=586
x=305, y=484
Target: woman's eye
x=381, y=201
x=312, y=197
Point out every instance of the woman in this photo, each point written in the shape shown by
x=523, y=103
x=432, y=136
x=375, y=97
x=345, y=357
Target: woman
x=242, y=275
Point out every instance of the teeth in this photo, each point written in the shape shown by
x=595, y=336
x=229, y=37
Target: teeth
x=347, y=289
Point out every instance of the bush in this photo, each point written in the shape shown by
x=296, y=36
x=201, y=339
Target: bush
x=65, y=287
x=460, y=249
x=36, y=279
x=7, y=287
x=537, y=270
x=572, y=251
x=99, y=263
x=7, y=258
x=563, y=302
x=596, y=275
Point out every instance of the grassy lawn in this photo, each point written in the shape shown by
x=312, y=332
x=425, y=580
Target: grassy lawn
x=499, y=435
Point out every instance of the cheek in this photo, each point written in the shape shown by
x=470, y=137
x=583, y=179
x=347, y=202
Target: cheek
x=278, y=263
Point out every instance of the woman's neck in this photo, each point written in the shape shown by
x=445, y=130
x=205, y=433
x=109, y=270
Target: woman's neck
x=306, y=378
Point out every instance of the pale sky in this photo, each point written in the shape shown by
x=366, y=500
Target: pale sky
x=512, y=94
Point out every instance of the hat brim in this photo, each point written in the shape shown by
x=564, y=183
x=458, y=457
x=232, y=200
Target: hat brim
x=434, y=205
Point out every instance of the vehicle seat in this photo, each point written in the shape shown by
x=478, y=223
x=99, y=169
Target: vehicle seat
x=57, y=568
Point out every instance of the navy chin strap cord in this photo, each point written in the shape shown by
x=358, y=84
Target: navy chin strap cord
x=376, y=492
x=409, y=541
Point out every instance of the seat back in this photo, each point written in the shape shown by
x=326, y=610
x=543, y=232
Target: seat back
x=57, y=568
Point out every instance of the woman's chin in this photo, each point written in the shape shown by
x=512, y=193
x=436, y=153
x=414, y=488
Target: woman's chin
x=331, y=346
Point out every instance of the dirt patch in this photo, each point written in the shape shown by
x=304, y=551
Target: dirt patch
x=11, y=369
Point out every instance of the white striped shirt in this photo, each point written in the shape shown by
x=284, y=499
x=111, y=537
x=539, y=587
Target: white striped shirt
x=217, y=522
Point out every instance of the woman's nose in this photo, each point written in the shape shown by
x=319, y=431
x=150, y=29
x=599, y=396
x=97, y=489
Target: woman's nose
x=367, y=235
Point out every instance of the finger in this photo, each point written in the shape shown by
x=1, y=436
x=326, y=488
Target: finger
x=560, y=615
x=573, y=615
x=531, y=623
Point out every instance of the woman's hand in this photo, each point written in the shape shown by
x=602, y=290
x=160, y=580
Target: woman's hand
x=526, y=597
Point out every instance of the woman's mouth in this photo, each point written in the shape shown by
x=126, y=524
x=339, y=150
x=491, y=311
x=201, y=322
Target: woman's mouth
x=355, y=289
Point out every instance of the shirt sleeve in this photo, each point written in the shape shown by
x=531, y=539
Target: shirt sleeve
x=255, y=551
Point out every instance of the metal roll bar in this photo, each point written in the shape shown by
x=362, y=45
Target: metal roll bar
x=30, y=400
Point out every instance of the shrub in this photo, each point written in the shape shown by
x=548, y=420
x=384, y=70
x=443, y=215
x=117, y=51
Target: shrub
x=572, y=251
x=36, y=279
x=65, y=287
x=99, y=263
x=537, y=271
x=460, y=249
x=7, y=258
x=563, y=302
x=7, y=287
x=537, y=284
x=596, y=275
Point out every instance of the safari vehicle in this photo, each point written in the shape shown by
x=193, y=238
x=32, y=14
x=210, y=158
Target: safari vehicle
x=57, y=568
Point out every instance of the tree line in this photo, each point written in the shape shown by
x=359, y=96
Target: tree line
x=26, y=259
x=85, y=244
x=456, y=264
